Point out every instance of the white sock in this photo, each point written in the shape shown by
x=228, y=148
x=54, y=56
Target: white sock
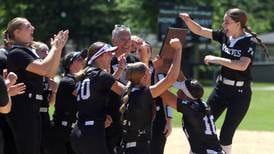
x=227, y=148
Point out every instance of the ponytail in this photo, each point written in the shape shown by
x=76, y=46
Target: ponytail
x=125, y=97
x=7, y=38
x=258, y=40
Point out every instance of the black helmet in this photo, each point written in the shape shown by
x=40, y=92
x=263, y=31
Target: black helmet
x=71, y=56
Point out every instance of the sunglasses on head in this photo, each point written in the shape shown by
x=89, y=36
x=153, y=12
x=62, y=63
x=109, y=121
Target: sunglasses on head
x=122, y=26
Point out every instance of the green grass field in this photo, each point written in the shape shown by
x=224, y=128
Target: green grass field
x=261, y=111
x=260, y=115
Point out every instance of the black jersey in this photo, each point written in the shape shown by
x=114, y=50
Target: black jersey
x=65, y=104
x=234, y=49
x=4, y=98
x=93, y=93
x=199, y=127
x=137, y=119
x=46, y=93
x=3, y=60
x=115, y=100
x=160, y=116
x=19, y=58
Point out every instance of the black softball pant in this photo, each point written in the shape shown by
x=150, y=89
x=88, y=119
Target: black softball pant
x=25, y=122
x=158, y=139
x=7, y=142
x=113, y=137
x=45, y=124
x=89, y=139
x=236, y=100
x=58, y=140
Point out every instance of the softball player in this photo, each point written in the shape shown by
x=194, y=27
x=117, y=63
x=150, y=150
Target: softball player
x=161, y=127
x=7, y=143
x=93, y=90
x=233, y=84
x=49, y=93
x=30, y=69
x=64, y=115
x=137, y=105
x=198, y=121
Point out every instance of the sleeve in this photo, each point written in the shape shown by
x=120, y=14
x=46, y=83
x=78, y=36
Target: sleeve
x=64, y=92
x=183, y=106
x=249, y=49
x=19, y=59
x=4, y=97
x=218, y=35
x=67, y=85
x=107, y=79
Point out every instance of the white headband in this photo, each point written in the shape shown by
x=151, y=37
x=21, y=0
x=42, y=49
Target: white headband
x=104, y=49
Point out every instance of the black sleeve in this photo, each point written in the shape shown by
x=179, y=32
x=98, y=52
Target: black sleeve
x=66, y=85
x=4, y=98
x=218, y=35
x=107, y=79
x=19, y=59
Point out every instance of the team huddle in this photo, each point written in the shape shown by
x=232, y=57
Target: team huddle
x=114, y=99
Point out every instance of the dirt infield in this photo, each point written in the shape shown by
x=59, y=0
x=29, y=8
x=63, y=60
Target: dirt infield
x=245, y=142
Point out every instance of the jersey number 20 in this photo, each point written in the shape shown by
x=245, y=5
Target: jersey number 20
x=83, y=89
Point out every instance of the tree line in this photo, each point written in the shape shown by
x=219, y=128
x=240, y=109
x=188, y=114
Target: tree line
x=91, y=20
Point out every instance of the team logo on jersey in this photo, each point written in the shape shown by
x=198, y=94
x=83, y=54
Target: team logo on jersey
x=250, y=50
x=184, y=102
x=233, y=52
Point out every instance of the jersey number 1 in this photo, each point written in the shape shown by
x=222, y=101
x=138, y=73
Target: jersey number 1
x=209, y=125
x=83, y=89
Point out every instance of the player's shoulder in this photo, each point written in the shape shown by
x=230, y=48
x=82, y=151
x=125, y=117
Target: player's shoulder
x=246, y=39
x=67, y=80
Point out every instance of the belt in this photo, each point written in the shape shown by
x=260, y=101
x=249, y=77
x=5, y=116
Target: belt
x=230, y=82
x=35, y=96
x=43, y=109
x=158, y=108
x=86, y=123
x=89, y=123
x=131, y=144
x=65, y=123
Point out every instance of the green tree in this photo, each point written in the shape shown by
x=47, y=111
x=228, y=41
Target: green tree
x=87, y=21
x=93, y=20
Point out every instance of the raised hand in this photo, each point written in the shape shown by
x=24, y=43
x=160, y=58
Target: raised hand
x=184, y=16
x=136, y=42
x=175, y=43
x=60, y=39
x=122, y=61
